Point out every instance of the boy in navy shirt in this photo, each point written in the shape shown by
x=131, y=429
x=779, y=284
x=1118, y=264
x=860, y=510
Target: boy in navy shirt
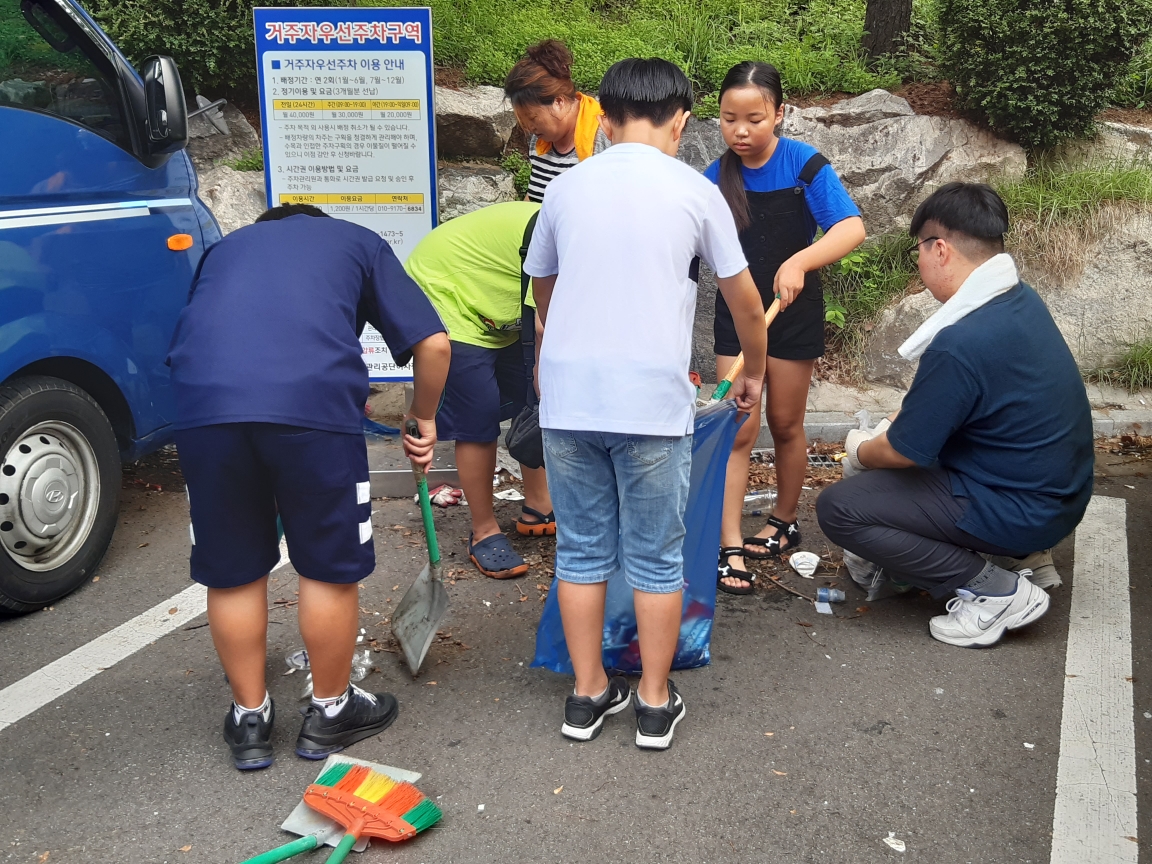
x=270, y=388
x=991, y=451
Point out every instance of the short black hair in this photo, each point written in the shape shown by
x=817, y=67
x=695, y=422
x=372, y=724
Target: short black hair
x=636, y=89
x=286, y=210
x=972, y=213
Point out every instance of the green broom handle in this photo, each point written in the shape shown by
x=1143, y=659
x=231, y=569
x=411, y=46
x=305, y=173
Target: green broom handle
x=341, y=852
x=282, y=853
x=411, y=428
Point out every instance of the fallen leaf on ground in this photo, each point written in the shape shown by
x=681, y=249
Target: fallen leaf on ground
x=187, y=848
x=781, y=774
x=44, y=857
x=173, y=610
x=142, y=545
x=804, y=623
x=862, y=609
x=431, y=683
x=558, y=790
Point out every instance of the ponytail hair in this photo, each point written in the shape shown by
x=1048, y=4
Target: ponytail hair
x=764, y=77
x=541, y=76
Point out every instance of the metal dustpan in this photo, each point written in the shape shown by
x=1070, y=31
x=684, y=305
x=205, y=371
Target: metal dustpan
x=423, y=605
x=308, y=823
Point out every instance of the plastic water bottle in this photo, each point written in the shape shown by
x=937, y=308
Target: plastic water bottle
x=829, y=595
x=759, y=503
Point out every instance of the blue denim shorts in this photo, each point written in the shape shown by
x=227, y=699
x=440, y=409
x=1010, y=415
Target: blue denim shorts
x=619, y=502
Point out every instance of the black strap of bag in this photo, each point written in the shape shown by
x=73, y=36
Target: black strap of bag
x=527, y=313
x=812, y=168
x=524, y=439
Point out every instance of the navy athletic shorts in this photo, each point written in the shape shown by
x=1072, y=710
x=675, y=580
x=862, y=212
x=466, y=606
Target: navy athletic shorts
x=484, y=386
x=240, y=474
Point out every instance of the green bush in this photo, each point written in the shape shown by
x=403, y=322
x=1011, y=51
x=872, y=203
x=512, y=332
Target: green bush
x=1053, y=193
x=815, y=44
x=212, y=40
x=1040, y=71
x=250, y=160
x=1135, y=87
x=1133, y=370
x=521, y=170
x=861, y=285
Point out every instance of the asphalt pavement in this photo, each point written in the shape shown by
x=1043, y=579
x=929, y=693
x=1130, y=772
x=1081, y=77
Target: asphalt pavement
x=809, y=738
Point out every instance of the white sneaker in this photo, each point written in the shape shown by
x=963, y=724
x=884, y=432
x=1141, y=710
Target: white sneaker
x=1044, y=573
x=977, y=620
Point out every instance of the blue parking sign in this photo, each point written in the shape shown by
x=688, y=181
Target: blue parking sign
x=348, y=126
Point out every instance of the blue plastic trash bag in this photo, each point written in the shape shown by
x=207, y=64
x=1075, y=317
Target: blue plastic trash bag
x=715, y=433
x=372, y=429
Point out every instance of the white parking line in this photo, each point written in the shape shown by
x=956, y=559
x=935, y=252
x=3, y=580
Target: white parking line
x=1095, y=816
x=50, y=682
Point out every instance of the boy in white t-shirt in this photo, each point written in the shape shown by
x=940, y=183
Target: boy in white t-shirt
x=611, y=258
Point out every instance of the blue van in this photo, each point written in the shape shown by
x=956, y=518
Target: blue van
x=100, y=233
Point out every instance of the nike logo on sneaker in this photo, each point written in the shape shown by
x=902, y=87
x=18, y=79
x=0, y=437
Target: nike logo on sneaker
x=986, y=622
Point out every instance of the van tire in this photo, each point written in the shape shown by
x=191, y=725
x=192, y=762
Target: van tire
x=58, y=461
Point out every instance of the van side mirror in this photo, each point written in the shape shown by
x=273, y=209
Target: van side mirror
x=166, y=121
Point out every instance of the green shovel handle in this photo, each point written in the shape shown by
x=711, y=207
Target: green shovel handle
x=721, y=390
x=341, y=851
x=411, y=428
x=282, y=853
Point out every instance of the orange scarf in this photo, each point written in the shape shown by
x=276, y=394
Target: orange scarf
x=587, y=125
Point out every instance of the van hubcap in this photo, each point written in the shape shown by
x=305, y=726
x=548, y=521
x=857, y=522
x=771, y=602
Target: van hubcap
x=49, y=489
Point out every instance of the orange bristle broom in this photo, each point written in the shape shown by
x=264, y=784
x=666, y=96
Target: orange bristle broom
x=368, y=803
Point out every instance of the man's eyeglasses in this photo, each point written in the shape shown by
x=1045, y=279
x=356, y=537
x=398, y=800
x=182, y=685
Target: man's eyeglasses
x=914, y=250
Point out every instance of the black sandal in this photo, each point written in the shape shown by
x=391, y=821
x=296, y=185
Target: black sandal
x=772, y=547
x=724, y=570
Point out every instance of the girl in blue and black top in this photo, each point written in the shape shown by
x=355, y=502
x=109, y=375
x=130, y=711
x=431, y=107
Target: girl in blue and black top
x=780, y=191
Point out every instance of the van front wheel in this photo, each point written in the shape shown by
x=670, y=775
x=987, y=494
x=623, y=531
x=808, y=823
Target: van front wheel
x=59, y=490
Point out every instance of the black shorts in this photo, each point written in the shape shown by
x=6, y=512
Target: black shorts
x=240, y=474
x=796, y=334
x=484, y=386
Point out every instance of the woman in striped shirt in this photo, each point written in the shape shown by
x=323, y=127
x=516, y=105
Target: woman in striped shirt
x=563, y=123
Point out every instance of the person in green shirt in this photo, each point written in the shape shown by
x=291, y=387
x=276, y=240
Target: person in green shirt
x=470, y=268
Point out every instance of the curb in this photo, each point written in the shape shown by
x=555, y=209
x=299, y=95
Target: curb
x=831, y=426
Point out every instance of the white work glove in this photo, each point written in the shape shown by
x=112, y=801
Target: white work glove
x=851, y=463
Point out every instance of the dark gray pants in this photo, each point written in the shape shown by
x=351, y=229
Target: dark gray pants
x=904, y=519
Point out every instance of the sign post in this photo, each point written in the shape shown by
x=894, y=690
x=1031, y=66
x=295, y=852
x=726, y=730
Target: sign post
x=347, y=121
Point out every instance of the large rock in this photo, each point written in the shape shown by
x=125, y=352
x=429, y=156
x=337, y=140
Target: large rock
x=701, y=144
x=882, y=362
x=25, y=94
x=208, y=147
x=467, y=187
x=891, y=158
x=1107, y=306
x=1098, y=310
x=1114, y=142
x=472, y=123
x=703, y=341
x=235, y=198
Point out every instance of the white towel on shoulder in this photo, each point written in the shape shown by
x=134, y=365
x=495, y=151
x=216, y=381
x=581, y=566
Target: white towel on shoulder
x=991, y=279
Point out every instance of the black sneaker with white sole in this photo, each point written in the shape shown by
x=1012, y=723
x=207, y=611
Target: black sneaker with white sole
x=250, y=738
x=584, y=716
x=362, y=716
x=654, y=726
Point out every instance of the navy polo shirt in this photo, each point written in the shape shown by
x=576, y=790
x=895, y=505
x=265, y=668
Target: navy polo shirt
x=999, y=402
x=271, y=330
